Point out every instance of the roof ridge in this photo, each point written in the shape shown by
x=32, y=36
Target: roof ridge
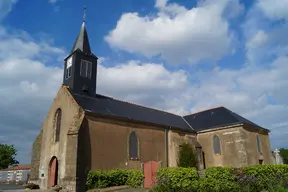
x=140, y=105
x=203, y=110
x=187, y=123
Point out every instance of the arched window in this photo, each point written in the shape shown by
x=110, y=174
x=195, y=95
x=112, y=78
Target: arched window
x=133, y=146
x=258, y=144
x=216, y=145
x=58, y=116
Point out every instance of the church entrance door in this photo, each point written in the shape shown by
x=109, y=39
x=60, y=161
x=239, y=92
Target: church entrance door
x=150, y=173
x=53, y=172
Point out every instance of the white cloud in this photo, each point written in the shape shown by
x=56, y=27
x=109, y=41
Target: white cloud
x=6, y=7
x=175, y=33
x=53, y=1
x=274, y=9
x=259, y=39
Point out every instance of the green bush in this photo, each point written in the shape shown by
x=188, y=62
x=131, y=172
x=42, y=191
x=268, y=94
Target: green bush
x=187, y=156
x=178, y=177
x=222, y=179
x=117, y=177
x=215, y=185
x=135, y=178
x=220, y=173
x=273, y=178
x=265, y=177
x=219, y=179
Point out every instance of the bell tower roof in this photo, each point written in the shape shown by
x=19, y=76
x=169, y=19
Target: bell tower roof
x=82, y=41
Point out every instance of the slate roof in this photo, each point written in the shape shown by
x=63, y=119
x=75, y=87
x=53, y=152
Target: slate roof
x=82, y=41
x=116, y=108
x=216, y=117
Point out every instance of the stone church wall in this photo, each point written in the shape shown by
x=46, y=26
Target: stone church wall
x=252, y=153
x=109, y=143
x=174, y=140
x=238, y=147
x=50, y=148
x=35, y=158
x=233, y=151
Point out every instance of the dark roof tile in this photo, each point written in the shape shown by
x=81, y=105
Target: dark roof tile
x=215, y=117
x=112, y=107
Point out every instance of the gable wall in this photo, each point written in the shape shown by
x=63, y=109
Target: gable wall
x=238, y=147
x=49, y=148
x=251, y=145
x=108, y=140
x=233, y=151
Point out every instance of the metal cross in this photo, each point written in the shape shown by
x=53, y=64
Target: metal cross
x=84, y=16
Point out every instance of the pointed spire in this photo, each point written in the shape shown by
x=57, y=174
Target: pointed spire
x=82, y=41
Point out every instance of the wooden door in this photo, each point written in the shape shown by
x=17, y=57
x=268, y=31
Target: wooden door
x=150, y=173
x=53, y=177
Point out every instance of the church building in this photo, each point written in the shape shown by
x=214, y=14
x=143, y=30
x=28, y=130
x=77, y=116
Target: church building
x=84, y=131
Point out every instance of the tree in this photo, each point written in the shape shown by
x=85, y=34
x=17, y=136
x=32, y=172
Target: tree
x=7, y=156
x=284, y=155
x=187, y=156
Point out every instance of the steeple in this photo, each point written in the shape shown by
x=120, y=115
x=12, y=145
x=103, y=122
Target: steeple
x=82, y=41
x=80, y=68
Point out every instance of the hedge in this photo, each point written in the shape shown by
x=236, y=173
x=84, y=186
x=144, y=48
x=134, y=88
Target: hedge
x=222, y=179
x=117, y=177
x=218, y=179
x=178, y=177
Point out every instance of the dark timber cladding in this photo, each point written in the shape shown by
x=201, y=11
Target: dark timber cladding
x=216, y=117
x=111, y=107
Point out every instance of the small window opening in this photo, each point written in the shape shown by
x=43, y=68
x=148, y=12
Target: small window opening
x=216, y=145
x=133, y=146
x=86, y=69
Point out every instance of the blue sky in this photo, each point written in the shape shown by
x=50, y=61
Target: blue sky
x=180, y=56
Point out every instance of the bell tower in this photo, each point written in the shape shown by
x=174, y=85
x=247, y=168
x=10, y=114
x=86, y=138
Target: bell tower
x=80, y=67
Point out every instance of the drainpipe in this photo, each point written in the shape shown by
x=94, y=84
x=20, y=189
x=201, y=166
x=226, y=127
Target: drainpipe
x=167, y=147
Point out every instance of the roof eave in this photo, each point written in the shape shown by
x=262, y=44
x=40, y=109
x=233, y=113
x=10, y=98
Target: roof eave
x=221, y=127
x=78, y=50
x=258, y=127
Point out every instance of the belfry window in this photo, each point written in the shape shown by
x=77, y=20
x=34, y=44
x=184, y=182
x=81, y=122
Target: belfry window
x=68, y=72
x=258, y=144
x=86, y=69
x=216, y=145
x=58, y=116
x=133, y=146
x=69, y=64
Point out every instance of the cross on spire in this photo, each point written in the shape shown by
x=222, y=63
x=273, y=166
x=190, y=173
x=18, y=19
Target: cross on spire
x=82, y=41
x=84, y=16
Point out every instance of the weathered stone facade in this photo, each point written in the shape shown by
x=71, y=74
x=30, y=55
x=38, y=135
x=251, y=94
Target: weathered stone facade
x=89, y=142
x=238, y=146
x=151, y=143
x=35, y=159
x=45, y=146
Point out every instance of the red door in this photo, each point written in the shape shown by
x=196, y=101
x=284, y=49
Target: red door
x=150, y=173
x=53, y=172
